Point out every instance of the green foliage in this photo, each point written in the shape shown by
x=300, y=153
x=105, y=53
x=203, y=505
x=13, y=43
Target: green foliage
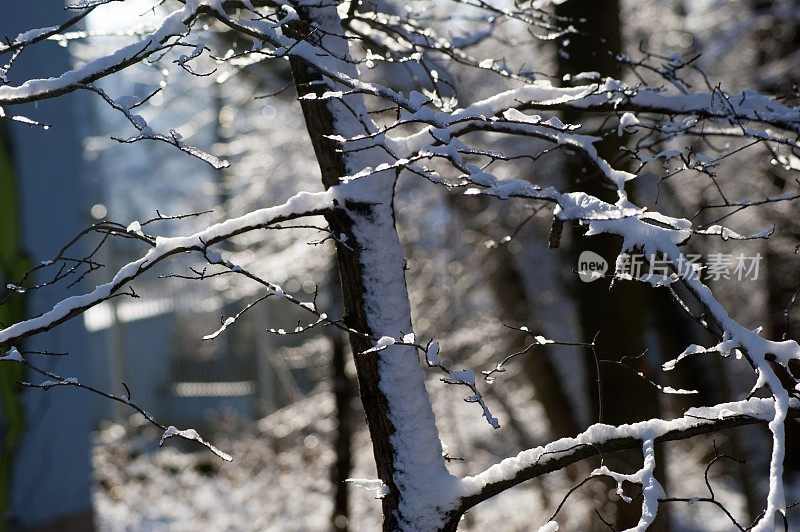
x=13, y=265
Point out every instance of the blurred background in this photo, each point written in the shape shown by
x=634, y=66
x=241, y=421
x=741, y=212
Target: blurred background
x=284, y=405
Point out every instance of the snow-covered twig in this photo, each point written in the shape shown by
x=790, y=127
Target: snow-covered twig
x=462, y=377
x=56, y=380
x=538, y=340
x=301, y=205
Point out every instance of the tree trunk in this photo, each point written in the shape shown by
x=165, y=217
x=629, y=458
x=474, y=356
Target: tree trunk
x=344, y=430
x=617, y=315
x=514, y=308
x=399, y=416
x=778, y=43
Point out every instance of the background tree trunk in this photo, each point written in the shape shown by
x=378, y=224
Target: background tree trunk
x=617, y=316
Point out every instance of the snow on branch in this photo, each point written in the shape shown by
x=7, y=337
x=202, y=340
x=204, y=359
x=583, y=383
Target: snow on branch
x=462, y=377
x=301, y=205
x=373, y=484
x=618, y=96
x=439, y=132
x=537, y=341
x=175, y=139
x=600, y=438
x=40, y=34
x=124, y=106
x=502, y=113
x=609, y=95
x=728, y=234
x=176, y=24
x=769, y=360
x=192, y=435
x=22, y=120
x=54, y=380
x=274, y=290
x=652, y=491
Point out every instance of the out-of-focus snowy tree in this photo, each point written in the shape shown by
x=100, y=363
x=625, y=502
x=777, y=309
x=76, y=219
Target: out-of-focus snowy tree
x=425, y=120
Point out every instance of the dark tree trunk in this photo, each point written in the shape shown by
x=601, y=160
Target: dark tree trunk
x=319, y=123
x=616, y=315
x=777, y=44
x=515, y=308
x=401, y=423
x=343, y=395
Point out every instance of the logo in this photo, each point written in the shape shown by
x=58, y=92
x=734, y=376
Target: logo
x=659, y=269
x=591, y=266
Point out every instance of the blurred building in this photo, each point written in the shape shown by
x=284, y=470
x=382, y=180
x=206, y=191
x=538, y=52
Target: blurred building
x=72, y=175
x=51, y=471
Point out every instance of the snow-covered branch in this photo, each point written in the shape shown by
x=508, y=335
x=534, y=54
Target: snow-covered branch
x=301, y=205
x=54, y=381
x=369, y=130
x=177, y=24
x=600, y=438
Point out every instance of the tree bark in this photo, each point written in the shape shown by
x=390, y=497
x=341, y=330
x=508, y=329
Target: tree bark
x=399, y=416
x=344, y=431
x=319, y=123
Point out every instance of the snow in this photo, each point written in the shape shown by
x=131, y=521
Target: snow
x=662, y=241
x=689, y=351
x=198, y=49
x=432, y=354
x=172, y=25
x=33, y=34
x=677, y=391
x=627, y=121
x=302, y=204
x=426, y=487
x=128, y=101
x=192, y=434
x=135, y=227
x=227, y=323
x=465, y=375
x=214, y=257
x=651, y=488
x=586, y=76
x=550, y=526
x=729, y=234
x=375, y=484
x=12, y=355
x=512, y=467
x=384, y=342
x=291, y=15
x=420, y=471
x=581, y=206
x=518, y=116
